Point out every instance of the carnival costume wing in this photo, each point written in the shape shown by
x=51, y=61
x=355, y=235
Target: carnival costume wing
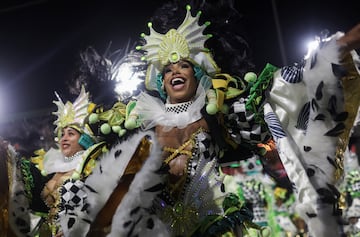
x=311, y=132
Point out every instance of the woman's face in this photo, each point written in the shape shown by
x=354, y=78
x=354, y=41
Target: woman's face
x=69, y=144
x=179, y=82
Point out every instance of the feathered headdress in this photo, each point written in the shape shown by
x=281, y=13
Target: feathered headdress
x=186, y=42
x=73, y=114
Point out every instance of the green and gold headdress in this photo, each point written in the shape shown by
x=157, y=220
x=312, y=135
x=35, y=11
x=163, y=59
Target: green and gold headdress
x=73, y=114
x=186, y=42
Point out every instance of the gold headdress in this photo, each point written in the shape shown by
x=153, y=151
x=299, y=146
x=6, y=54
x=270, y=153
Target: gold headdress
x=186, y=42
x=73, y=114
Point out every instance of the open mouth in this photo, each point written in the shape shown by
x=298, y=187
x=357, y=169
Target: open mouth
x=64, y=146
x=177, y=81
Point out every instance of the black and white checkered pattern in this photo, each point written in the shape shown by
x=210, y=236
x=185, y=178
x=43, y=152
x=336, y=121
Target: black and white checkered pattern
x=259, y=213
x=72, y=194
x=242, y=124
x=177, y=108
x=253, y=192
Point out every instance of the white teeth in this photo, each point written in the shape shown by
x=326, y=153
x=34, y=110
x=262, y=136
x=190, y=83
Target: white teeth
x=177, y=81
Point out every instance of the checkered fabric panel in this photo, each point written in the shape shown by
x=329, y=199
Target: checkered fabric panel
x=259, y=213
x=242, y=125
x=72, y=194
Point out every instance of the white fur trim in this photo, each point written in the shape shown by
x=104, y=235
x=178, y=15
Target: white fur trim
x=136, y=196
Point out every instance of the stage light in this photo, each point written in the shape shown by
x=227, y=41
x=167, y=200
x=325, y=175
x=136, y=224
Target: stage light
x=127, y=81
x=311, y=46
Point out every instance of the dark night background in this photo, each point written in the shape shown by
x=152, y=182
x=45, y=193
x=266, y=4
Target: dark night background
x=40, y=41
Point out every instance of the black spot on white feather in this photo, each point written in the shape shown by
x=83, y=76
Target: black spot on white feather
x=91, y=189
x=320, y=117
x=130, y=233
x=307, y=148
x=341, y=117
x=326, y=195
x=85, y=207
x=331, y=161
x=87, y=221
x=319, y=93
x=310, y=172
x=117, y=153
x=135, y=210
x=332, y=105
x=155, y=188
x=314, y=105
x=71, y=222
x=133, y=227
x=334, y=190
x=127, y=223
x=338, y=70
x=336, y=131
x=303, y=118
x=222, y=187
x=150, y=224
x=311, y=215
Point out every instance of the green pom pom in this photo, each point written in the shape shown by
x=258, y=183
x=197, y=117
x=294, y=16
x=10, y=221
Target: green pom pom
x=105, y=129
x=250, y=77
x=211, y=109
x=130, y=124
x=43, y=172
x=116, y=129
x=93, y=118
x=122, y=132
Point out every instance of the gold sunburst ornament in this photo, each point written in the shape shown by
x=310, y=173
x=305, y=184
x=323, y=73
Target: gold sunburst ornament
x=186, y=42
x=72, y=114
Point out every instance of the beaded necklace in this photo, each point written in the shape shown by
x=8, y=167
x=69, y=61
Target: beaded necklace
x=70, y=158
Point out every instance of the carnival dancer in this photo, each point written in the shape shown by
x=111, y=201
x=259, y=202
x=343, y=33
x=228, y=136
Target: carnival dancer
x=310, y=131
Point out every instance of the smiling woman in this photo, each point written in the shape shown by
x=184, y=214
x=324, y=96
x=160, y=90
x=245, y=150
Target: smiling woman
x=179, y=82
x=41, y=179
